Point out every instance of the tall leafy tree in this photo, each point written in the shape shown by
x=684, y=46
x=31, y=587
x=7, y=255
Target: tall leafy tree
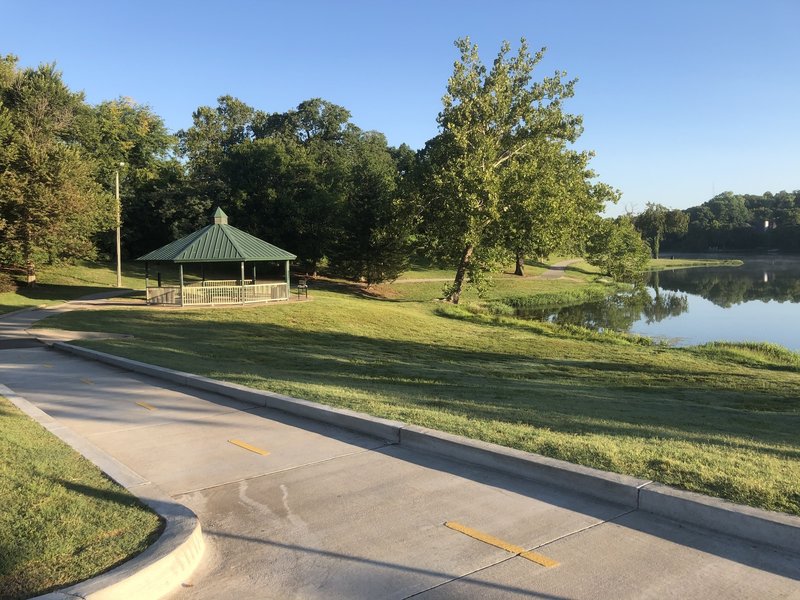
x=291, y=178
x=215, y=134
x=555, y=204
x=311, y=181
x=123, y=136
x=496, y=126
x=50, y=204
x=658, y=220
x=374, y=226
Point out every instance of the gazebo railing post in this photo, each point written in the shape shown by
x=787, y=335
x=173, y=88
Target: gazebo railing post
x=241, y=298
x=181, y=270
x=287, y=279
x=147, y=283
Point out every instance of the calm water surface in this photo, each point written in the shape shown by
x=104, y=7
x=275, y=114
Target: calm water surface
x=759, y=301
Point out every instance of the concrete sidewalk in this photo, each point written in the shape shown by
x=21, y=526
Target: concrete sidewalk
x=292, y=508
x=15, y=327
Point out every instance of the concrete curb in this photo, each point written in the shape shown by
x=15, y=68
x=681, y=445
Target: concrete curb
x=611, y=487
x=778, y=530
x=160, y=568
x=755, y=525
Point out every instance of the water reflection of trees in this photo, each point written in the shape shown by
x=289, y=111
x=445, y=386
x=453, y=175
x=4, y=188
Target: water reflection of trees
x=735, y=286
x=618, y=312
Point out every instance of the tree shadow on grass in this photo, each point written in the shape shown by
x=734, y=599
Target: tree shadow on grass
x=106, y=495
x=381, y=292
x=570, y=396
x=47, y=291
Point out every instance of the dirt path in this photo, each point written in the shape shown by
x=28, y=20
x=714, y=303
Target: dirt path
x=556, y=271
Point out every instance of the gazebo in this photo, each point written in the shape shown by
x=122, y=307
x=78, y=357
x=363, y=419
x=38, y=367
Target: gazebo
x=217, y=243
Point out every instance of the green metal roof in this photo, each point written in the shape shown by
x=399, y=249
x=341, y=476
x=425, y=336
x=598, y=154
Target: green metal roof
x=219, y=242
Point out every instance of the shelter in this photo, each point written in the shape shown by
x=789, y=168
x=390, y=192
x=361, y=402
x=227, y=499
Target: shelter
x=218, y=243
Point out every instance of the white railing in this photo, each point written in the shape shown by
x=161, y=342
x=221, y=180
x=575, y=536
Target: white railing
x=213, y=295
x=222, y=282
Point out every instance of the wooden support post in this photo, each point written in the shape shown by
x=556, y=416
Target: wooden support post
x=147, y=283
x=254, y=273
x=241, y=299
x=287, y=280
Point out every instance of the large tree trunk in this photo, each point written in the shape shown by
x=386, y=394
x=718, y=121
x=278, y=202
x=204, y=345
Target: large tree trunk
x=30, y=274
x=30, y=266
x=520, y=268
x=455, y=292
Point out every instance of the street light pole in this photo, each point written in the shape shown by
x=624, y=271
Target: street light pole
x=119, y=225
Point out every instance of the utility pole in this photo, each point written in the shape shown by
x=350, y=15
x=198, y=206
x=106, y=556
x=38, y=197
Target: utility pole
x=119, y=225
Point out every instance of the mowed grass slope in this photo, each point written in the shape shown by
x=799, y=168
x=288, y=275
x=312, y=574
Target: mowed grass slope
x=62, y=521
x=60, y=283
x=711, y=420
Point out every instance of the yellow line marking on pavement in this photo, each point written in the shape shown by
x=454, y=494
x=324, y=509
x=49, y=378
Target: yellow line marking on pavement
x=146, y=405
x=87, y=381
x=498, y=543
x=247, y=446
x=539, y=559
x=47, y=365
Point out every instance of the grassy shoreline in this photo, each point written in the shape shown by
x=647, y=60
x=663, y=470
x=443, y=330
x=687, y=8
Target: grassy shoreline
x=720, y=421
x=63, y=521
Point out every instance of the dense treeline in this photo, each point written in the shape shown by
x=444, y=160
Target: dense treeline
x=308, y=180
x=499, y=183
x=732, y=222
x=58, y=158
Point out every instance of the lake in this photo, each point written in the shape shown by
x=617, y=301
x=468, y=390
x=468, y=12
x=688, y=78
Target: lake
x=758, y=301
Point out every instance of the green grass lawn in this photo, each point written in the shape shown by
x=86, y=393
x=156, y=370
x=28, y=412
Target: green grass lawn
x=60, y=283
x=426, y=271
x=62, y=520
x=502, y=285
x=721, y=420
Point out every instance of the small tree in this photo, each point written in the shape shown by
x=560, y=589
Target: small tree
x=556, y=205
x=617, y=247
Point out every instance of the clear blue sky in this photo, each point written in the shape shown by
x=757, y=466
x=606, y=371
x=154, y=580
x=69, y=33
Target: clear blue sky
x=680, y=99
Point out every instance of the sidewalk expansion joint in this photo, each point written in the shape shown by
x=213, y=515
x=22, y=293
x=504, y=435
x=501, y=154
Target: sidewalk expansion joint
x=507, y=558
x=587, y=528
x=639, y=492
x=464, y=576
